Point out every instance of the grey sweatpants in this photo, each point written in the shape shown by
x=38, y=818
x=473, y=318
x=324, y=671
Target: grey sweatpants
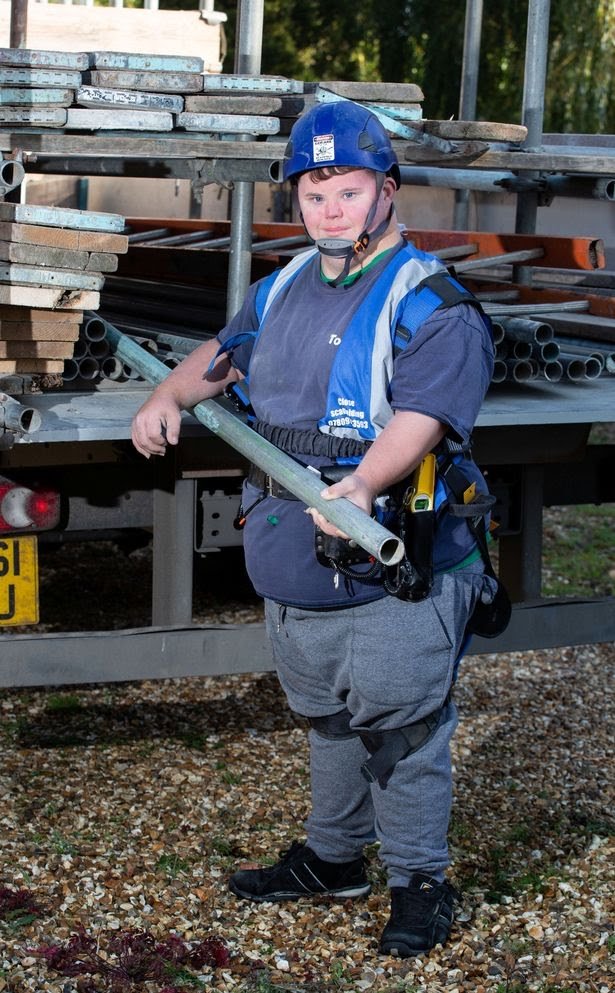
x=390, y=663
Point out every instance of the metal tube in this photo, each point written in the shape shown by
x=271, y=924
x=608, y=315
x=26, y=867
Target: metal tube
x=598, y=330
x=151, y=235
x=506, y=310
x=455, y=179
x=499, y=371
x=505, y=258
x=174, y=341
x=569, y=348
x=11, y=174
x=80, y=349
x=239, y=170
x=275, y=243
x=574, y=368
x=149, y=344
x=527, y=330
x=71, y=370
x=302, y=482
x=248, y=50
x=492, y=181
x=112, y=368
x=498, y=332
x=98, y=349
x=19, y=24
x=455, y=251
x=518, y=370
x=591, y=365
x=536, y=52
x=240, y=255
x=131, y=371
x=17, y=418
x=553, y=371
x=548, y=352
x=223, y=242
x=522, y=350
x=594, y=347
x=89, y=368
x=185, y=238
x=94, y=328
x=597, y=187
x=468, y=92
x=248, y=45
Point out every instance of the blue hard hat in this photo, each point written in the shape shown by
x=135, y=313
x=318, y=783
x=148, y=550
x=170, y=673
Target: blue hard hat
x=341, y=133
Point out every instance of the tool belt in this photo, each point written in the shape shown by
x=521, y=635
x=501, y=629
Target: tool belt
x=412, y=579
x=262, y=481
x=330, y=551
x=296, y=441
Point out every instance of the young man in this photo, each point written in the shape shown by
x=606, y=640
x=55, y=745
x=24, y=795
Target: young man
x=362, y=358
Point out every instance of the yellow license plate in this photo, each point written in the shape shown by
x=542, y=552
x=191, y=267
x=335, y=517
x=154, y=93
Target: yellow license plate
x=18, y=580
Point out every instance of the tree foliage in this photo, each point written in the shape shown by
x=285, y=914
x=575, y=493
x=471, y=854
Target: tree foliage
x=421, y=41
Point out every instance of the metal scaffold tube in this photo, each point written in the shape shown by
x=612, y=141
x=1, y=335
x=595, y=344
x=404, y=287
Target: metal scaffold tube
x=468, y=93
x=301, y=481
x=536, y=52
x=247, y=61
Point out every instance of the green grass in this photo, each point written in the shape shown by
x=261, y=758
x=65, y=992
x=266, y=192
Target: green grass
x=65, y=703
x=578, y=551
x=173, y=865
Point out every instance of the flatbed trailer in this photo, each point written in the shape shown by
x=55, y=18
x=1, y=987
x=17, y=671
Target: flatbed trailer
x=532, y=441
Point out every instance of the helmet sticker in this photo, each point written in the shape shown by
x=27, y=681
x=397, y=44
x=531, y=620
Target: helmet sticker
x=323, y=146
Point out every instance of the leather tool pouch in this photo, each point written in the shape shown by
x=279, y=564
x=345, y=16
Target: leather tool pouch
x=412, y=579
x=332, y=551
x=488, y=620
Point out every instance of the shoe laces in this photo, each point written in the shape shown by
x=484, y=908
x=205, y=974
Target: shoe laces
x=416, y=902
x=291, y=854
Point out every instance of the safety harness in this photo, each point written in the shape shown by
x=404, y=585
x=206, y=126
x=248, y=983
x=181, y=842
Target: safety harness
x=437, y=291
x=386, y=748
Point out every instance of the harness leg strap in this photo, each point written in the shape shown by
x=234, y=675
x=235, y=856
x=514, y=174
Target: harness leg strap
x=334, y=726
x=387, y=748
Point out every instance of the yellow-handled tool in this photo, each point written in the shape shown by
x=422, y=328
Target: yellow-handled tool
x=423, y=485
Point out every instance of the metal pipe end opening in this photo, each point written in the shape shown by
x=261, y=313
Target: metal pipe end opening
x=391, y=551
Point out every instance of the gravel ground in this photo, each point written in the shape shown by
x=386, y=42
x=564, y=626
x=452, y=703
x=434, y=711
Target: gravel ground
x=124, y=807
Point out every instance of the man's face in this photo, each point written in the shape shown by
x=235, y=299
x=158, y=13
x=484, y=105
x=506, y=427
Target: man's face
x=337, y=207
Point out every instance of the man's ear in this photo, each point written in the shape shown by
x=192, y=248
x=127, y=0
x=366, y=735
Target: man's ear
x=389, y=188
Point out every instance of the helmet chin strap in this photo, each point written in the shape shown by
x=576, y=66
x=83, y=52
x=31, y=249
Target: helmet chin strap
x=345, y=248
x=342, y=248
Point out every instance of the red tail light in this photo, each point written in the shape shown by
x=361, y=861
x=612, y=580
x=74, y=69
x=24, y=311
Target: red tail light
x=23, y=509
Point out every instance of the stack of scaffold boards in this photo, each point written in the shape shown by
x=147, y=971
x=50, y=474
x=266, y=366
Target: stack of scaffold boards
x=121, y=91
x=118, y=91
x=53, y=263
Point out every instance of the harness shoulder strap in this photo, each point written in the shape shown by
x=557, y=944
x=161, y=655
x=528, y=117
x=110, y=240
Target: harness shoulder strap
x=440, y=290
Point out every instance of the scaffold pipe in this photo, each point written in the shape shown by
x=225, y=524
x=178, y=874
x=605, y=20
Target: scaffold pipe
x=305, y=484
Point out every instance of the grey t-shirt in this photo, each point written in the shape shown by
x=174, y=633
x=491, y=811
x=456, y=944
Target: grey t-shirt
x=444, y=372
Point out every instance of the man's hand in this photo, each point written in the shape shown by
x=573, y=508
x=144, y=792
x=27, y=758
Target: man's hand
x=155, y=425
x=355, y=489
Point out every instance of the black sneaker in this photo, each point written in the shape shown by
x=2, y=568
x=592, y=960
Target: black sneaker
x=301, y=873
x=421, y=916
